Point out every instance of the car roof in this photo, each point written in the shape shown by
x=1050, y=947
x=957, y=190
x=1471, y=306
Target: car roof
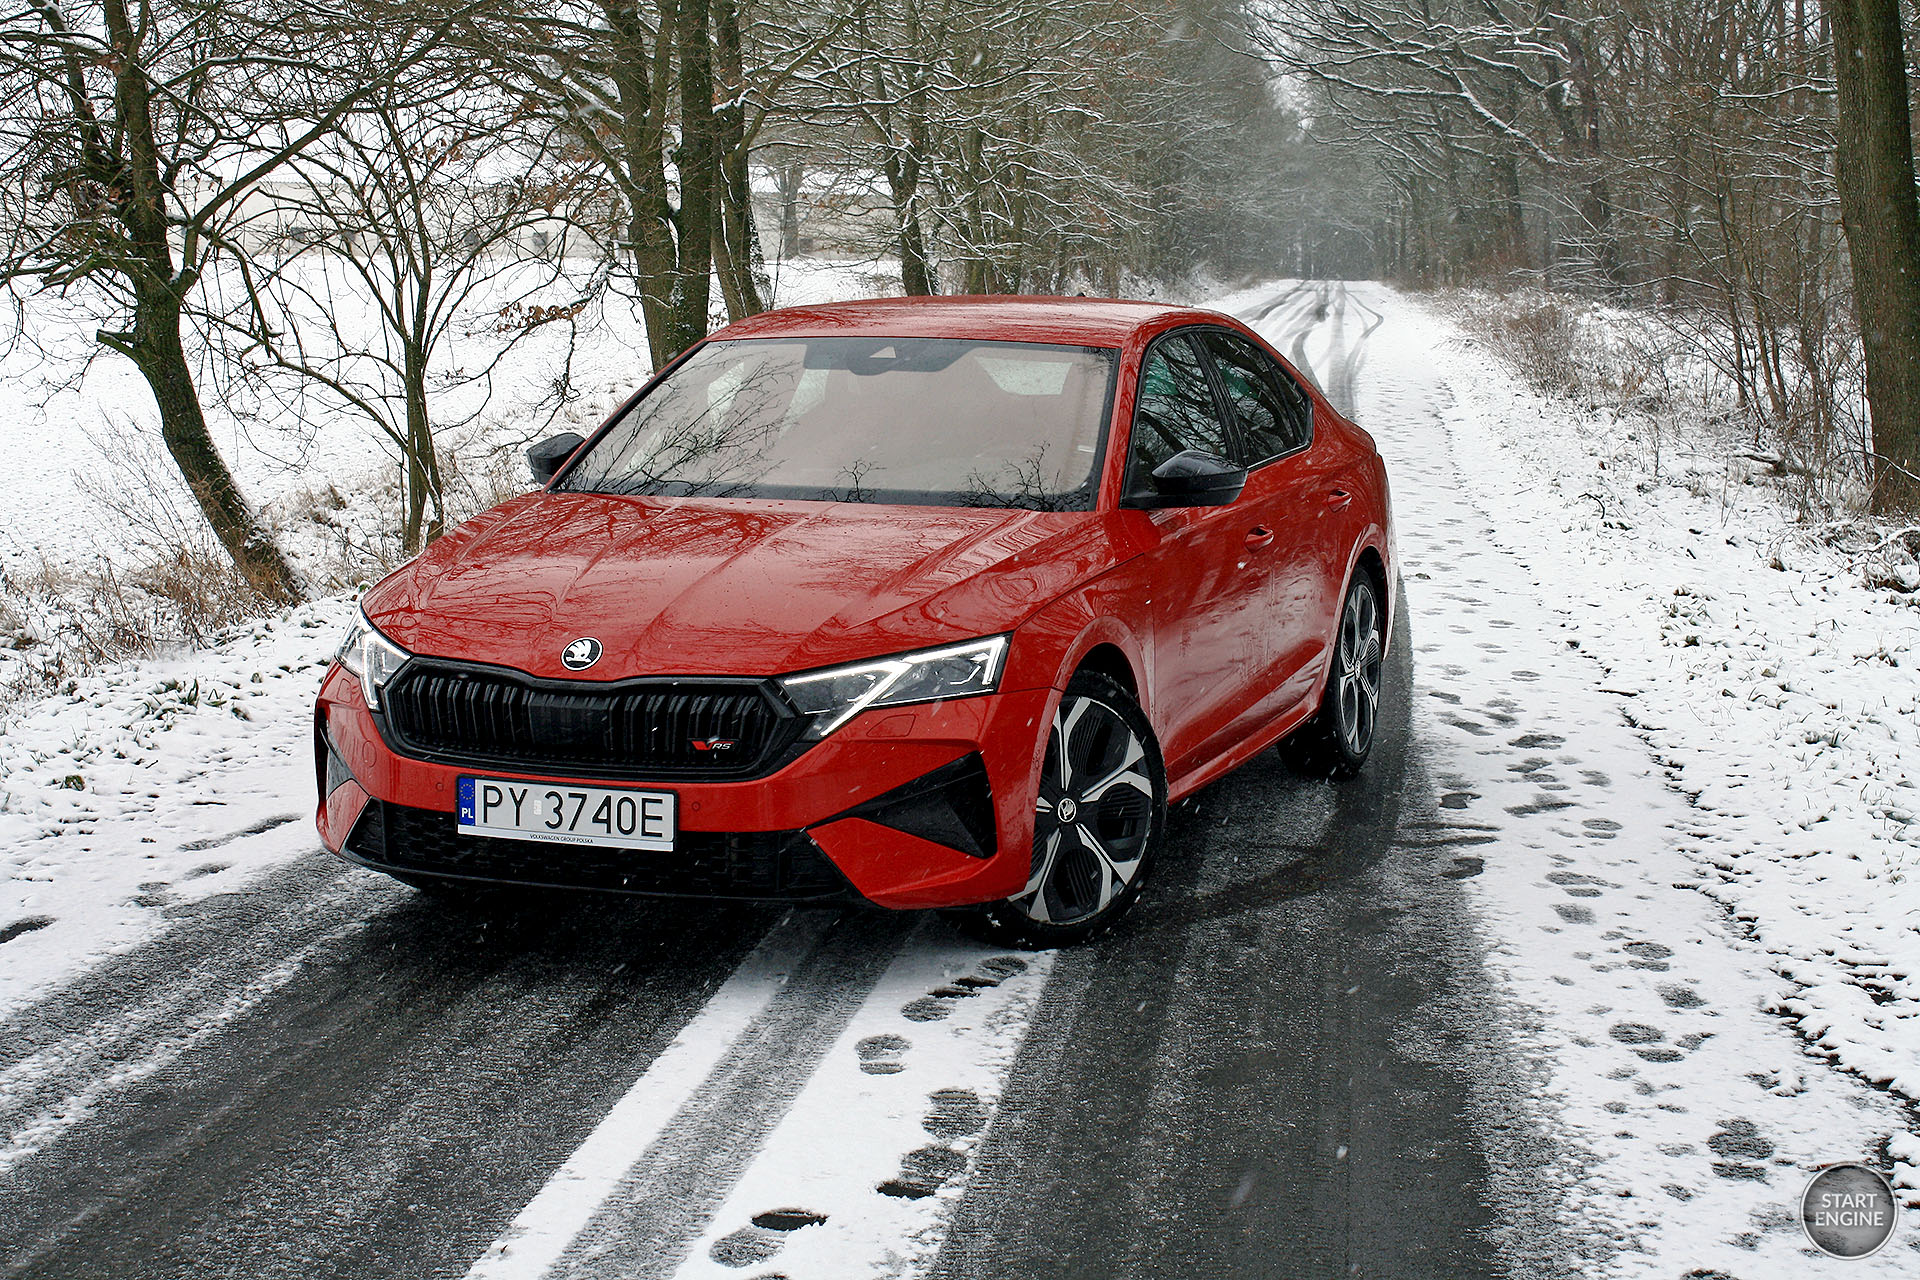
x=1098, y=322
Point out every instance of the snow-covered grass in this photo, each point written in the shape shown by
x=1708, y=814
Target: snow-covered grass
x=152, y=783
x=1769, y=671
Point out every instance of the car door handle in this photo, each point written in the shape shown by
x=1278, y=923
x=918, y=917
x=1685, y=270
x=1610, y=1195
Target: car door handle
x=1337, y=499
x=1259, y=536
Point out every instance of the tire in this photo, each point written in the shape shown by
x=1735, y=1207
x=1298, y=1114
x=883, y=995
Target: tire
x=1335, y=743
x=1086, y=873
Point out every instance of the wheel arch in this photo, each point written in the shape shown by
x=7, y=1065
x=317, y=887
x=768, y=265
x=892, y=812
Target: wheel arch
x=1111, y=661
x=1374, y=565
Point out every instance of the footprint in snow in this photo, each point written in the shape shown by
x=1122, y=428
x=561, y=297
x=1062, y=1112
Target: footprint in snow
x=923, y=1172
x=1739, y=1141
x=1538, y=741
x=1648, y=955
x=938, y=1003
x=955, y=1113
x=1542, y=803
x=1646, y=1039
x=24, y=925
x=880, y=1055
x=762, y=1238
x=1575, y=885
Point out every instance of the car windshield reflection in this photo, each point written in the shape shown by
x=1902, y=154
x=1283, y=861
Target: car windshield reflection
x=926, y=421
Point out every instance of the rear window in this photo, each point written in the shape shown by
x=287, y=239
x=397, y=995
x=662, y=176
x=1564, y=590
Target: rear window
x=925, y=421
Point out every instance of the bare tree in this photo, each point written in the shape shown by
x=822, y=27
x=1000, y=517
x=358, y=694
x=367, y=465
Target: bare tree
x=425, y=216
x=131, y=138
x=668, y=97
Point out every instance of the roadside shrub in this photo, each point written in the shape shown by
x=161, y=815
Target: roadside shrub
x=1538, y=338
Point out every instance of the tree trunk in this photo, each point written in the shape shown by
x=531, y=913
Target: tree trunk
x=697, y=161
x=736, y=244
x=1582, y=133
x=157, y=352
x=420, y=465
x=642, y=73
x=902, y=172
x=154, y=345
x=791, y=177
x=1874, y=169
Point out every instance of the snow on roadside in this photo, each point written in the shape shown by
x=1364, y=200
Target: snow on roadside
x=153, y=783
x=1775, y=688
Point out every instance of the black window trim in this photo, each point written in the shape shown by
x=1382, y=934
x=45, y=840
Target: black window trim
x=1232, y=415
x=1222, y=409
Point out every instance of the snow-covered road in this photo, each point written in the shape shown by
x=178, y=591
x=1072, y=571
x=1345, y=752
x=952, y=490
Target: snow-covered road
x=1479, y=1012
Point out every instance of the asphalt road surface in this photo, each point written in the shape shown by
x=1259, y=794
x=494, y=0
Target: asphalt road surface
x=1275, y=1068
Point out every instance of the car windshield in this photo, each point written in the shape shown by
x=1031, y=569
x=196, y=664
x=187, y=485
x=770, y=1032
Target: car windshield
x=924, y=421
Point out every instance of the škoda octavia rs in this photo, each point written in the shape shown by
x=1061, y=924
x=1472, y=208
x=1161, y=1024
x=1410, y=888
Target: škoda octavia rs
x=921, y=602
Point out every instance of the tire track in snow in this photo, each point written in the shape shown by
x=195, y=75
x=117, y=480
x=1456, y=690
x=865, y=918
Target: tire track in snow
x=408, y=1087
x=133, y=1014
x=1259, y=312
x=644, y=1228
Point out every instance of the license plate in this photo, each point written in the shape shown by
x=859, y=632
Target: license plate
x=566, y=815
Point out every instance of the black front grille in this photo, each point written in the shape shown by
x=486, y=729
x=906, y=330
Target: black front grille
x=763, y=864
x=653, y=729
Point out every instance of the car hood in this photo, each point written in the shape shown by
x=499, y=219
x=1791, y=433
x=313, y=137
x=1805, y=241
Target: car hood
x=692, y=587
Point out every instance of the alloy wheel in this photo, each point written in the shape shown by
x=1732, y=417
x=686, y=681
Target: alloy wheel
x=1094, y=815
x=1357, y=692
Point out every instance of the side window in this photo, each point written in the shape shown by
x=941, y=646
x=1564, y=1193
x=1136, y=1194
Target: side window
x=1174, y=411
x=1275, y=416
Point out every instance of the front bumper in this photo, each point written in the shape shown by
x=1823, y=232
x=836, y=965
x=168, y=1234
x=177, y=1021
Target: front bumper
x=909, y=807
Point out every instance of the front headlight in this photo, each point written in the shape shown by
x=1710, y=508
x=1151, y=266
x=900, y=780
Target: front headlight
x=371, y=656
x=831, y=698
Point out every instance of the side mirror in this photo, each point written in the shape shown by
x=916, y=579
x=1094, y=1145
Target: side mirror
x=547, y=457
x=1194, y=478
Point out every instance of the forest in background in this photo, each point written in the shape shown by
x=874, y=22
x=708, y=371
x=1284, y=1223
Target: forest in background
x=175, y=168
x=1685, y=156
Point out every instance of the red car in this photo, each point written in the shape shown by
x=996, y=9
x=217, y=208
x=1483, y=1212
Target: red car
x=921, y=602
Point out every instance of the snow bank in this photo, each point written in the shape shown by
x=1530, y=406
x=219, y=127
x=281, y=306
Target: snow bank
x=1773, y=684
